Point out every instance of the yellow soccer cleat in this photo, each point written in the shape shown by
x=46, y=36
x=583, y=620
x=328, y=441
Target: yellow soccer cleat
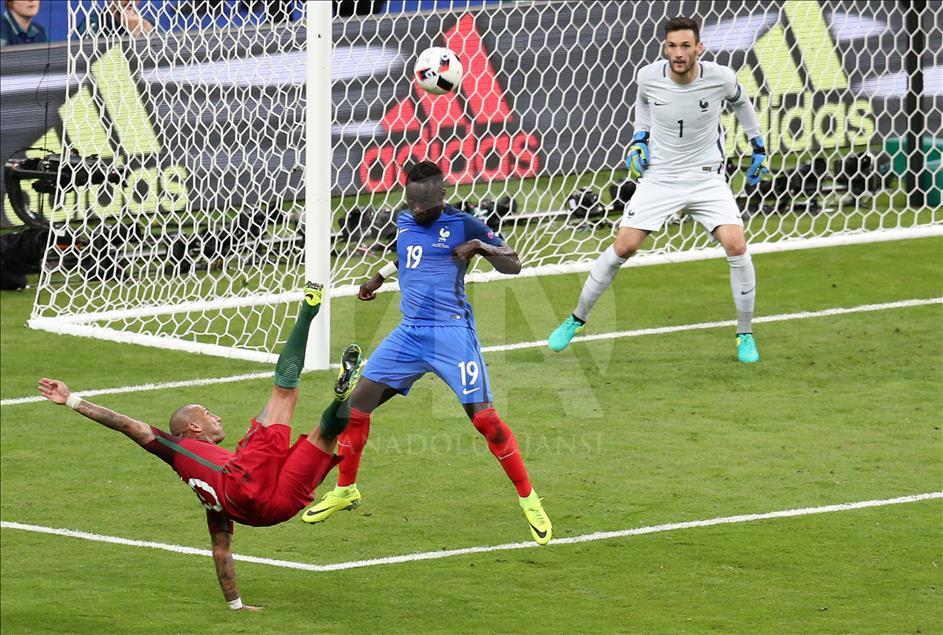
x=349, y=374
x=540, y=527
x=313, y=294
x=338, y=499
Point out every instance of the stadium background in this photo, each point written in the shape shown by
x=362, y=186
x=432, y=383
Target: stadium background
x=34, y=95
x=632, y=430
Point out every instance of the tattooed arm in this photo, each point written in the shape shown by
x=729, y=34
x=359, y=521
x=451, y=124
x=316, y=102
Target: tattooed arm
x=226, y=569
x=57, y=392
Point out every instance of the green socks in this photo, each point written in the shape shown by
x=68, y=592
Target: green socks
x=335, y=417
x=292, y=358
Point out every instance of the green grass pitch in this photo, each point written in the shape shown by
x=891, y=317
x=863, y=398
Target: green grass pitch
x=616, y=433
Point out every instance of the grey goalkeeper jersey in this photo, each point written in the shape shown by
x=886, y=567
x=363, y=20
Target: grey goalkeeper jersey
x=684, y=119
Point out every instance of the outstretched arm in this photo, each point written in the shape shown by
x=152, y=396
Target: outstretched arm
x=502, y=257
x=368, y=290
x=226, y=571
x=57, y=392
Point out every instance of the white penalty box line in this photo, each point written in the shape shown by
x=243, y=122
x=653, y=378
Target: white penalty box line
x=782, y=317
x=449, y=553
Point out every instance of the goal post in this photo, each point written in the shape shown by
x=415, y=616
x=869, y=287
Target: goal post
x=246, y=152
x=318, y=214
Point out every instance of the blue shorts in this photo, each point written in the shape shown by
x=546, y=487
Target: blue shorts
x=451, y=352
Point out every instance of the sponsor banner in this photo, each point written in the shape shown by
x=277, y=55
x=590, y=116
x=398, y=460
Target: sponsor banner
x=26, y=86
x=548, y=90
x=551, y=89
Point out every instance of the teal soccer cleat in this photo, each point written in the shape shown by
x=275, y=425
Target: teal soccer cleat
x=746, y=348
x=561, y=336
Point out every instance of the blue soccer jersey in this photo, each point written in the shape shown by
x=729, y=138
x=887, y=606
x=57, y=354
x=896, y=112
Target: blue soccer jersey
x=437, y=334
x=431, y=280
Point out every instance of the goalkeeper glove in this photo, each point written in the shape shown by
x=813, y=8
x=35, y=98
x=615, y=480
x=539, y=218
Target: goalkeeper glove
x=637, y=160
x=759, y=165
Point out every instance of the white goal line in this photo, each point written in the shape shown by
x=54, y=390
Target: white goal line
x=448, y=553
x=782, y=317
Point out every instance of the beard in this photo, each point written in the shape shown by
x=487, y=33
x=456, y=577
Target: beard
x=687, y=66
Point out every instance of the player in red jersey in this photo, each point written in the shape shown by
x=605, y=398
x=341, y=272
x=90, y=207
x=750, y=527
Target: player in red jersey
x=267, y=480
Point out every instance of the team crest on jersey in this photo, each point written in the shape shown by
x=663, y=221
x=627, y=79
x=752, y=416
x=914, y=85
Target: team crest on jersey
x=444, y=234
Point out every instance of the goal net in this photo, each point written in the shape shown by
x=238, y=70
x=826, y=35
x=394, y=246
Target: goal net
x=217, y=178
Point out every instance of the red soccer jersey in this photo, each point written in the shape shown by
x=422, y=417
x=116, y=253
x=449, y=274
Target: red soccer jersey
x=200, y=465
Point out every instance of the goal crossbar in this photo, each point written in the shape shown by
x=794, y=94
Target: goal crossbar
x=83, y=324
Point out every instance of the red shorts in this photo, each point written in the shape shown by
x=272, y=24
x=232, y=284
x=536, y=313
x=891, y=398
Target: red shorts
x=267, y=481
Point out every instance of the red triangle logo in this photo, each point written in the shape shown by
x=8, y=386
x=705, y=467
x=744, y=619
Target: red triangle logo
x=442, y=132
x=402, y=117
x=480, y=88
x=444, y=111
x=480, y=85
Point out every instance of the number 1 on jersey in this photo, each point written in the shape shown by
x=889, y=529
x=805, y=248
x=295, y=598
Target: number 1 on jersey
x=413, y=256
x=680, y=128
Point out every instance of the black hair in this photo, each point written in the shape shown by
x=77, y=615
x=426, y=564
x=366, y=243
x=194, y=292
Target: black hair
x=683, y=24
x=422, y=171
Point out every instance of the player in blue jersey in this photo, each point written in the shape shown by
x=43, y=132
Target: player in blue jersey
x=437, y=334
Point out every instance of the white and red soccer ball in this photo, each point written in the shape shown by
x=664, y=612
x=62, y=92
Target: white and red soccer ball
x=438, y=70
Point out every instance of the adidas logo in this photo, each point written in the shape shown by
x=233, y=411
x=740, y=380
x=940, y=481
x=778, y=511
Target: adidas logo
x=457, y=136
x=90, y=124
x=801, y=93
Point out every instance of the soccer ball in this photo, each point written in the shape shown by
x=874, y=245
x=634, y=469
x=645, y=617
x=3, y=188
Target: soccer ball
x=438, y=70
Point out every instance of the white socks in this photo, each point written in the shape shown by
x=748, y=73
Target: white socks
x=604, y=270
x=743, y=285
x=601, y=275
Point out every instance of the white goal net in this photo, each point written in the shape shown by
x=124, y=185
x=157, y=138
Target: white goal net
x=196, y=240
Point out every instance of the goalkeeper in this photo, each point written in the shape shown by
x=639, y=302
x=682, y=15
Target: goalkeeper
x=268, y=480
x=678, y=151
